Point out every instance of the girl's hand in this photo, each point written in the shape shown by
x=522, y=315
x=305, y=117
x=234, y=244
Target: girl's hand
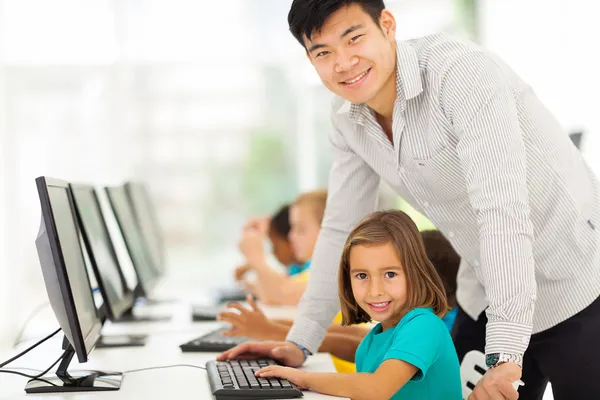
x=296, y=376
x=251, y=245
x=251, y=323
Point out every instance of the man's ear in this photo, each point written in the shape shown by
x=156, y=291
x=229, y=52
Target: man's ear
x=388, y=24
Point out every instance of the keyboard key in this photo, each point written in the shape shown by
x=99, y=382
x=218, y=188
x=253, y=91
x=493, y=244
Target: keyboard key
x=274, y=382
x=263, y=382
x=286, y=384
x=254, y=385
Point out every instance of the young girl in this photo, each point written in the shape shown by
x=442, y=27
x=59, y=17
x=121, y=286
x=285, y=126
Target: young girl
x=385, y=276
x=273, y=287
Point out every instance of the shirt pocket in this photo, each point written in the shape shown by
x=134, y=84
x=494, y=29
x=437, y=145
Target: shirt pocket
x=443, y=175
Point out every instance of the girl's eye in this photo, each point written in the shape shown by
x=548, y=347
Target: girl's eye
x=390, y=274
x=361, y=276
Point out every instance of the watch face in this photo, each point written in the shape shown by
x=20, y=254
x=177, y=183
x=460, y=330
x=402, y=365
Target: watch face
x=492, y=359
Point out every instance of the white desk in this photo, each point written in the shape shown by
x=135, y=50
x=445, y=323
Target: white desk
x=162, y=349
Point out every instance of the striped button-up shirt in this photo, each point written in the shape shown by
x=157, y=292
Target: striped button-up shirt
x=477, y=152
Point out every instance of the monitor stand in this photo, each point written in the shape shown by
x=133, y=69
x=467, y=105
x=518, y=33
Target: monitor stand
x=78, y=381
x=128, y=316
x=108, y=341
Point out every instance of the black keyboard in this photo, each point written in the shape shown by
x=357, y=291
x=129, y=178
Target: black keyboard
x=213, y=341
x=235, y=380
x=225, y=295
x=206, y=313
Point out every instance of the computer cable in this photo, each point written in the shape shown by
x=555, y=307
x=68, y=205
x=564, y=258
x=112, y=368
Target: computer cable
x=162, y=367
x=21, y=354
x=39, y=375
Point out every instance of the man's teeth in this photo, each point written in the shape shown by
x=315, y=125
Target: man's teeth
x=357, y=78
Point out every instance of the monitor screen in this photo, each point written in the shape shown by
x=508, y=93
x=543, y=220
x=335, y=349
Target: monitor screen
x=102, y=255
x=148, y=272
x=147, y=221
x=64, y=269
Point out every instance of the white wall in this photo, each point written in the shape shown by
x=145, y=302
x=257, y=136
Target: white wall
x=553, y=45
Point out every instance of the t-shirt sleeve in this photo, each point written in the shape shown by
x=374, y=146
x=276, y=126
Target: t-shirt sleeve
x=418, y=343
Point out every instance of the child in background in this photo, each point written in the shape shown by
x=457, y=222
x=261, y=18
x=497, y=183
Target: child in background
x=278, y=230
x=446, y=262
x=271, y=286
x=385, y=276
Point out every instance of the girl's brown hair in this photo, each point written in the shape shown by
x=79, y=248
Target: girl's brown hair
x=424, y=286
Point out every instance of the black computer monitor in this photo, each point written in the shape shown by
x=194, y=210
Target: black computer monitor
x=147, y=271
x=147, y=221
x=59, y=247
x=118, y=298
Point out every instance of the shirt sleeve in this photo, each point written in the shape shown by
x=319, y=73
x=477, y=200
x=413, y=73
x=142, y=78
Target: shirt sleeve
x=352, y=193
x=479, y=99
x=418, y=343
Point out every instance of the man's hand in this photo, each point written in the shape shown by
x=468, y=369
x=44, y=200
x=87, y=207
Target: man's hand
x=296, y=376
x=286, y=353
x=252, y=323
x=497, y=383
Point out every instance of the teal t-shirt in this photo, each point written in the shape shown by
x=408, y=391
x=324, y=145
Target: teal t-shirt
x=296, y=269
x=421, y=339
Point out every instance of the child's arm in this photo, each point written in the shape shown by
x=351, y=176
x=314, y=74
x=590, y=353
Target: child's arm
x=390, y=377
x=340, y=345
x=354, y=330
x=254, y=323
x=277, y=288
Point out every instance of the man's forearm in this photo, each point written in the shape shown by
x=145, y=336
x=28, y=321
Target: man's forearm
x=320, y=302
x=511, y=290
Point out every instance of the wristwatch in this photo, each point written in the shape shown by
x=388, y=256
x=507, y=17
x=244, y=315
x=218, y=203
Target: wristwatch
x=495, y=359
x=304, y=350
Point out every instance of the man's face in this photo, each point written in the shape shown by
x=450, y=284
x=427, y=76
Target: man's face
x=354, y=56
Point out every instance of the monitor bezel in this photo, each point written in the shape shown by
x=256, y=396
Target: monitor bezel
x=82, y=345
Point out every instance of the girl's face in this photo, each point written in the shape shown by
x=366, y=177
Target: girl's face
x=378, y=282
x=304, y=231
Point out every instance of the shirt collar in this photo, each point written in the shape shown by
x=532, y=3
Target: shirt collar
x=408, y=82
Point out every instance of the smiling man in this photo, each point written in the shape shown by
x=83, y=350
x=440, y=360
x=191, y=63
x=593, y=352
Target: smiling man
x=465, y=141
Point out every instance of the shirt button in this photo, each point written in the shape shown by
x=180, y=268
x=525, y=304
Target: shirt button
x=426, y=204
x=476, y=263
x=525, y=340
x=401, y=170
x=450, y=235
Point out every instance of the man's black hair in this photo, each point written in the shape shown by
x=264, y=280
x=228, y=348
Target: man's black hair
x=280, y=222
x=308, y=16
